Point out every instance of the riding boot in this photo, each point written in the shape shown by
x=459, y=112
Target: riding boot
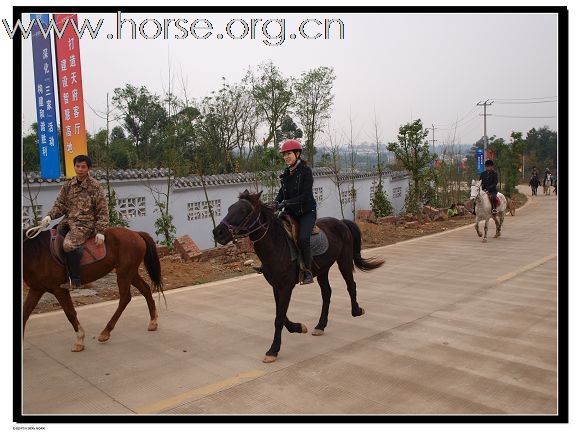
x=73, y=263
x=307, y=256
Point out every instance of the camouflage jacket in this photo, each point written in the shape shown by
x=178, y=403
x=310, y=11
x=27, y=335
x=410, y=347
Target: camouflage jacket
x=83, y=204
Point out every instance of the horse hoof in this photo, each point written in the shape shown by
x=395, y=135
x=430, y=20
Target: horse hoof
x=484, y=241
x=77, y=347
x=362, y=311
x=479, y=235
x=304, y=328
x=152, y=326
x=318, y=332
x=104, y=337
x=269, y=359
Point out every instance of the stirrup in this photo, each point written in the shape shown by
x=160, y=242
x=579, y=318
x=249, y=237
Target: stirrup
x=494, y=211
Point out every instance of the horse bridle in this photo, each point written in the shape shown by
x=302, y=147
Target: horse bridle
x=478, y=193
x=243, y=230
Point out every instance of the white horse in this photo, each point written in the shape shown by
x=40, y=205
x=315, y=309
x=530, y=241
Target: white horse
x=547, y=184
x=483, y=209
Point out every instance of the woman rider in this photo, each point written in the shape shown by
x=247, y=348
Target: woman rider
x=296, y=197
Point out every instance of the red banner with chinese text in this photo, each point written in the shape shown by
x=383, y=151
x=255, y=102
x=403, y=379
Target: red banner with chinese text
x=70, y=90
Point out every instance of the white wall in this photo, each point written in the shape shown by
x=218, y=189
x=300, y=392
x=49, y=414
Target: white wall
x=200, y=230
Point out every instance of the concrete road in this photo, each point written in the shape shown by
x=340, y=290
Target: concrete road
x=452, y=326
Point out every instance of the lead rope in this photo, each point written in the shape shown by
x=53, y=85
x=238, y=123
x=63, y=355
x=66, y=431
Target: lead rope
x=31, y=233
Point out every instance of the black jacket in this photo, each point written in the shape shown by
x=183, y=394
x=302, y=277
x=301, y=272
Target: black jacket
x=489, y=181
x=297, y=190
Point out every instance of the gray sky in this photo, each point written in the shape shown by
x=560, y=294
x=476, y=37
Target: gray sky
x=407, y=66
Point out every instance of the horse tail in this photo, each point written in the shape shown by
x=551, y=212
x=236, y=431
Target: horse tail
x=152, y=263
x=364, y=264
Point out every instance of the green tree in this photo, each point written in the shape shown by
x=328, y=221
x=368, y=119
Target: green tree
x=541, y=149
x=144, y=118
x=273, y=96
x=30, y=155
x=287, y=130
x=380, y=204
x=313, y=102
x=412, y=150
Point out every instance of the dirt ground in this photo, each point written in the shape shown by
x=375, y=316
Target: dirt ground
x=178, y=273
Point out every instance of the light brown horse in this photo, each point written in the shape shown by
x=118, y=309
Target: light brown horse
x=126, y=250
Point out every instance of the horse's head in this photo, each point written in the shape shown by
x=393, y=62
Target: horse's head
x=475, y=189
x=242, y=218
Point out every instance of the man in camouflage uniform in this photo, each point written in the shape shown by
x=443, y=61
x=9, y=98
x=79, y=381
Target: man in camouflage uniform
x=82, y=201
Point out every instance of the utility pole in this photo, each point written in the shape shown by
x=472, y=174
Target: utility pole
x=433, y=131
x=485, y=104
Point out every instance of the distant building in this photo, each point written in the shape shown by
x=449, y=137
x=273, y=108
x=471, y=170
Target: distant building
x=188, y=204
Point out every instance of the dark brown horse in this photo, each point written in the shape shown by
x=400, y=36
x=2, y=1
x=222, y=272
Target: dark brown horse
x=126, y=250
x=249, y=217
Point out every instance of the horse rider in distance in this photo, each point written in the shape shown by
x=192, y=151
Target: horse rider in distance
x=489, y=183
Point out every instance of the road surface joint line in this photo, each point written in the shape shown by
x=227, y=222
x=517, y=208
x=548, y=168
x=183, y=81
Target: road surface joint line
x=530, y=266
x=200, y=392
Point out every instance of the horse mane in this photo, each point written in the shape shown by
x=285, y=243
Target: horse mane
x=268, y=211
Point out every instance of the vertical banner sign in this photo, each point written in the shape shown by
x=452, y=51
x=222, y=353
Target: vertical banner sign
x=45, y=96
x=479, y=160
x=70, y=86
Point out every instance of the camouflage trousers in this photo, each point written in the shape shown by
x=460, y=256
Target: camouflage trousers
x=74, y=236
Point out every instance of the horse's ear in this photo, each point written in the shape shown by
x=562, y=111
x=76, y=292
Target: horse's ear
x=259, y=194
x=473, y=182
x=246, y=192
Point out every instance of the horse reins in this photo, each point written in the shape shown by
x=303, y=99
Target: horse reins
x=235, y=231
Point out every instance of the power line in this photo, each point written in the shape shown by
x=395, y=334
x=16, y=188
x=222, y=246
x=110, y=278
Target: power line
x=525, y=99
x=452, y=124
x=515, y=116
x=527, y=102
x=461, y=124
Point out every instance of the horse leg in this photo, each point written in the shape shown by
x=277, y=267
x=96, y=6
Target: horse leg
x=485, y=230
x=497, y=221
x=345, y=267
x=288, y=324
x=326, y=292
x=145, y=290
x=124, y=285
x=65, y=301
x=30, y=303
x=282, y=303
x=477, y=226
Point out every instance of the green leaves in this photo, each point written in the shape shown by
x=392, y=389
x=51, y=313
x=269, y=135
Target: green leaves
x=313, y=102
x=412, y=150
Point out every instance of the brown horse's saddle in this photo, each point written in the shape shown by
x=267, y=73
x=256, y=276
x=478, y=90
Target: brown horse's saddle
x=91, y=252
